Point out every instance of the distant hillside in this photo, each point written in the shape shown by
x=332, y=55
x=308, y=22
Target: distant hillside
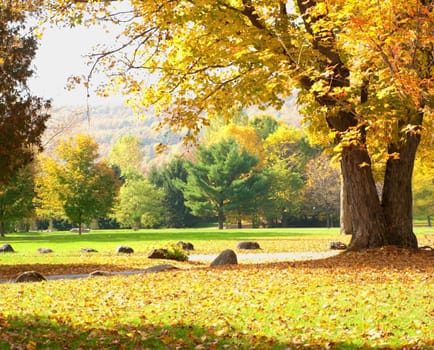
x=107, y=123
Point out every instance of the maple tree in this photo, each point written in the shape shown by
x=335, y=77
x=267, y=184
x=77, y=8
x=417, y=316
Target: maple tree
x=363, y=70
x=22, y=116
x=75, y=184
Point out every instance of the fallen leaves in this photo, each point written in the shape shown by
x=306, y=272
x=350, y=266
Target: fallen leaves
x=377, y=298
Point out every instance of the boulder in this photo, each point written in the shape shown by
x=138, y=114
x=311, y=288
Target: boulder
x=100, y=273
x=30, y=276
x=226, y=257
x=6, y=248
x=76, y=230
x=45, y=250
x=88, y=250
x=160, y=268
x=124, y=249
x=185, y=245
x=158, y=254
x=248, y=245
x=338, y=245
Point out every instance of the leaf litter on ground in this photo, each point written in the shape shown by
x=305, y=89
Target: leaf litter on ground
x=378, y=298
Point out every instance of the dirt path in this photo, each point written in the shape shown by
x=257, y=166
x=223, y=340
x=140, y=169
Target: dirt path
x=262, y=257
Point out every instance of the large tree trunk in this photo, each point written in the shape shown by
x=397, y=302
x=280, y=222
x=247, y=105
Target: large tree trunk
x=368, y=222
x=397, y=198
x=346, y=226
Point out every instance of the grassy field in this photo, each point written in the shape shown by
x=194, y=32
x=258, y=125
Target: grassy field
x=373, y=299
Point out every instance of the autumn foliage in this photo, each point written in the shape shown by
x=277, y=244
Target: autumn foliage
x=22, y=116
x=356, y=300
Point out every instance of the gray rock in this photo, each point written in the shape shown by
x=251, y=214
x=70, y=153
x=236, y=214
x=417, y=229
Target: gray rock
x=338, y=245
x=226, y=257
x=162, y=267
x=30, y=276
x=248, y=245
x=6, y=248
x=185, y=245
x=88, y=250
x=45, y=250
x=124, y=249
x=158, y=254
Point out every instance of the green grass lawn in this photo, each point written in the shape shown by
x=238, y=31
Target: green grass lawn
x=381, y=299
x=66, y=245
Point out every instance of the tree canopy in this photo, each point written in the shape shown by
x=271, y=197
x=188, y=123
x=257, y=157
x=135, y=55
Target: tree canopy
x=363, y=70
x=22, y=116
x=214, y=182
x=75, y=184
x=16, y=198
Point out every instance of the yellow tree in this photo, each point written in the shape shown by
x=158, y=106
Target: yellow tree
x=245, y=136
x=364, y=71
x=424, y=190
x=47, y=202
x=84, y=187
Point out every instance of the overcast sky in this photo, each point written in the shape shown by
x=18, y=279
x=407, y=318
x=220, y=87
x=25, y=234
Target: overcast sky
x=61, y=54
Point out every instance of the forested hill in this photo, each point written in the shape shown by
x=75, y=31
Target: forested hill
x=106, y=123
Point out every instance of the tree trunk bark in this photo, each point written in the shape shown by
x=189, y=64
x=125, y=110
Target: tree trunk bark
x=368, y=222
x=221, y=218
x=346, y=226
x=397, y=201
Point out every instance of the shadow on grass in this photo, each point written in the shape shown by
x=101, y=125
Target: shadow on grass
x=36, y=333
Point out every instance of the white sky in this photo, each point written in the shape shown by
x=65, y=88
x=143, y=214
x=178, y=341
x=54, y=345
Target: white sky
x=61, y=54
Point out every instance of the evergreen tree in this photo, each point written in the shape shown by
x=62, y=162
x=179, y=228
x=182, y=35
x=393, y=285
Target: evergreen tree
x=176, y=213
x=220, y=170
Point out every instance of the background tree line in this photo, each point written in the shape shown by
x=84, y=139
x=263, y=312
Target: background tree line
x=238, y=174
x=257, y=171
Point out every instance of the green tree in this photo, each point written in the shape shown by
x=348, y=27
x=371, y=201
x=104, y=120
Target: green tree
x=176, y=213
x=249, y=198
x=139, y=204
x=212, y=179
x=288, y=151
x=363, y=80
x=86, y=188
x=264, y=125
x=22, y=116
x=16, y=198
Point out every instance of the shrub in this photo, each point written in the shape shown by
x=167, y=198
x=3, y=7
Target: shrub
x=175, y=252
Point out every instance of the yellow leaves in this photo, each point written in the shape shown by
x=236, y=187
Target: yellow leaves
x=364, y=165
x=356, y=298
x=31, y=345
